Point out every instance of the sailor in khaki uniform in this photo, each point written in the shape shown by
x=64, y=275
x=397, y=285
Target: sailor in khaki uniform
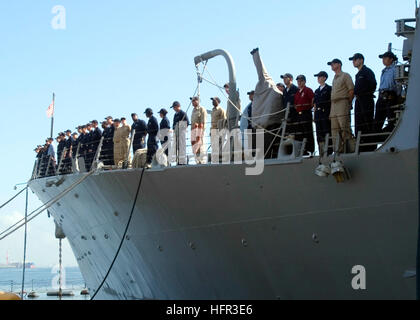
x=218, y=123
x=198, y=127
x=341, y=102
x=121, y=141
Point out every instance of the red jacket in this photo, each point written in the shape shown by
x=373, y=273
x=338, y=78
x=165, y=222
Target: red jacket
x=304, y=99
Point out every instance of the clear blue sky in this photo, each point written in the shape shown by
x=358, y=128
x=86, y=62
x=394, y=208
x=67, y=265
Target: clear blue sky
x=119, y=57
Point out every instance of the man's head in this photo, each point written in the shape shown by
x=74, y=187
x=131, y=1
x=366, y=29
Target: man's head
x=287, y=79
x=149, y=112
x=134, y=116
x=117, y=123
x=301, y=81
x=336, y=65
x=281, y=87
x=388, y=58
x=79, y=129
x=322, y=77
x=251, y=95
x=104, y=125
x=216, y=101
x=49, y=141
x=89, y=126
x=68, y=133
x=75, y=135
x=195, y=101
x=84, y=129
x=94, y=123
x=109, y=120
x=358, y=60
x=226, y=86
x=176, y=106
x=124, y=121
x=163, y=112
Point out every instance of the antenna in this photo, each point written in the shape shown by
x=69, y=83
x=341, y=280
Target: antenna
x=390, y=47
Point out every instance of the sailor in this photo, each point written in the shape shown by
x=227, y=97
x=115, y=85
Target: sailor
x=61, y=139
x=218, y=123
x=342, y=95
x=84, y=144
x=139, y=129
x=152, y=142
x=165, y=127
x=289, y=100
x=389, y=91
x=198, y=127
x=281, y=87
x=74, y=144
x=304, y=100
x=364, y=91
x=39, y=156
x=50, y=159
x=95, y=136
x=322, y=106
x=121, y=141
x=246, y=121
x=180, y=126
x=227, y=89
x=107, y=154
x=68, y=155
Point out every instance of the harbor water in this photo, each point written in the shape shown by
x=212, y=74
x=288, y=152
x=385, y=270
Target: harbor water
x=42, y=281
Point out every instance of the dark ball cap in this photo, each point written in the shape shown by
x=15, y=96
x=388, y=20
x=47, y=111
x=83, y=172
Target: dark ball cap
x=322, y=74
x=148, y=111
x=287, y=75
x=109, y=118
x=134, y=114
x=389, y=54
x=357, y=56
x=251, y=92
x=301, y=77
x=69, y=131
x=117, y=120
x=175, y=104
x=94, y=121
x=163, y=111
x=217, y=99
x=335, y=61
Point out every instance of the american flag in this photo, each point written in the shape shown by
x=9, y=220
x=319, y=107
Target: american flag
x=50, y=110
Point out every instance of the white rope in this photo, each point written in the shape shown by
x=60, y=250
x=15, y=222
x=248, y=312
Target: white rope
x=44, y=207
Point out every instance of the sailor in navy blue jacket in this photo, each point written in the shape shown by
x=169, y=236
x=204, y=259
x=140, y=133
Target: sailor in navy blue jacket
x=322, y=105
x=165, y=126
x=152, y=131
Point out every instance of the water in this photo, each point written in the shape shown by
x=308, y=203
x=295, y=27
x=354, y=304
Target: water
x=42, y=280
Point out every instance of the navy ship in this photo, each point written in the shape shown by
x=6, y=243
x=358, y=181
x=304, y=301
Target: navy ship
x=285, y=234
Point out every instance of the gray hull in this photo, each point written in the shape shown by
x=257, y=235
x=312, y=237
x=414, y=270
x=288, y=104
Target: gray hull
x=211, y=232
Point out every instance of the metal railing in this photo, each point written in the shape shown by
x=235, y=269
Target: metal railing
x=100, y=154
